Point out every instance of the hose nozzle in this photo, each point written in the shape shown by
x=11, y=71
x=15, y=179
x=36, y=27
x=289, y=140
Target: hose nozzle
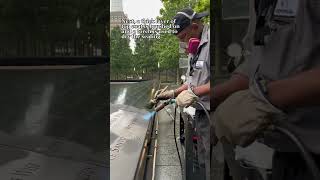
x=154, y=101
x=151, y=103
x=164, y=104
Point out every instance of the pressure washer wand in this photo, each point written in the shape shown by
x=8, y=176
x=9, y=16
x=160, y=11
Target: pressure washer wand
x=155, y=101
x=164, y=104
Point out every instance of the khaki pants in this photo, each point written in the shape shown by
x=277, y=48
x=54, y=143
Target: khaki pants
x=241, y=117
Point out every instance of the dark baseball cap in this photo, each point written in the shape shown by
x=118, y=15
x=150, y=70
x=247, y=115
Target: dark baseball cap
x=184, y=17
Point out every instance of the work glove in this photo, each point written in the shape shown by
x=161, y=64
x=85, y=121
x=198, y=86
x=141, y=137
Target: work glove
x=186, y=98
x=166, y=95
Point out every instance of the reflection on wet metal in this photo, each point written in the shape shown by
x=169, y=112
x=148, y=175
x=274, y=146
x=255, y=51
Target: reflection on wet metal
x=53, y=124
x=122, y=97
x=132, y=94
x=128, y=130
x=128, y=127
x=37, y=113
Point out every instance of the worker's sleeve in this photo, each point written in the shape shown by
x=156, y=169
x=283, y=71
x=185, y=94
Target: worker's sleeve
x=188, y=80
x=248, y=41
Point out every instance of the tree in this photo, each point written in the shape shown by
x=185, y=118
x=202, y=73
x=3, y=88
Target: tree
x=145, y=58
x=120, y=53
x=201, y=6
x=36, y=24
x=166, y=49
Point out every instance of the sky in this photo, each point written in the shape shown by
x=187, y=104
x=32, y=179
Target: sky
x=138, y=9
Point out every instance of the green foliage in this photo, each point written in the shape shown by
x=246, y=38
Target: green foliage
x=167, y=48
x=201, y=6
x=148, y=52
x=34, y=11
x=144, y=56
x=167, y=51
x=120, y=53
x=52, y=21
x=170, y=8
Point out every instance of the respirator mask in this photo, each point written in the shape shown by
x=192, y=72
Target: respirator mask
x=193, y=46
x=193, y=54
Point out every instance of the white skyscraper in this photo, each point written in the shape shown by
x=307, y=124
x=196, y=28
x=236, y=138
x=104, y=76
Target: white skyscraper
x=117, y=13
x=116, y=6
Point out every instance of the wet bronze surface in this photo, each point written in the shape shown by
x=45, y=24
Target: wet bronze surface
x=54, y=123
x=128, y=127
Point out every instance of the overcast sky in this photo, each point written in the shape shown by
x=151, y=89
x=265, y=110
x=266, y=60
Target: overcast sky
x=137, y=9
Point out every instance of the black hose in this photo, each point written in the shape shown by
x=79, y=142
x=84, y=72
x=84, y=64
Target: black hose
x=205, y=110
x=175, y=138
x=306, y=155
x=174, y=131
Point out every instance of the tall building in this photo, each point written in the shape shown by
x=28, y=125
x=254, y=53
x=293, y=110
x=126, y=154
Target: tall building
x=116, y=14
x=116, y=5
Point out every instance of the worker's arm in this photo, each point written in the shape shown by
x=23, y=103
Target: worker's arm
x=300, y=90
x=188, y=97
x=180, y=89
x=198, y=90
x=202, y=90
x=236, y=83
x=172, y=93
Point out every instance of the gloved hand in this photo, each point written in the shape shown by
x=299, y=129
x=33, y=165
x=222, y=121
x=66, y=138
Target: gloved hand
x=159, y=91
x=166, y=95
x=186, y=98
